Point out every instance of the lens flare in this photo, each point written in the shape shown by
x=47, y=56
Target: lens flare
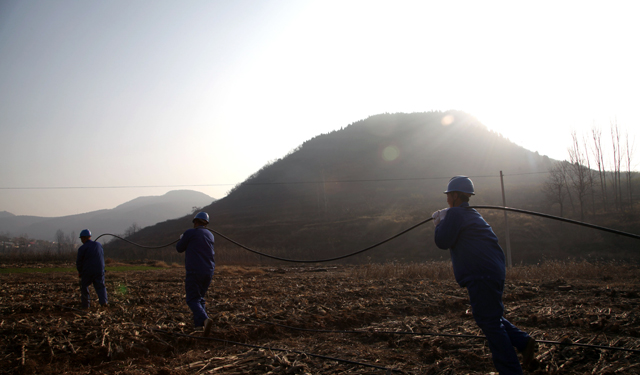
x=390, y=153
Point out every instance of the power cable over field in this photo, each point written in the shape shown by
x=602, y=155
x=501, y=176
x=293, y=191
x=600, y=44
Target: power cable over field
x=601, y=228
x=562, y=343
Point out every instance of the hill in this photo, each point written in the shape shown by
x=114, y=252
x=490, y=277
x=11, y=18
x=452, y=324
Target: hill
x=346, y=190
x=142, y=211
x=4, y=214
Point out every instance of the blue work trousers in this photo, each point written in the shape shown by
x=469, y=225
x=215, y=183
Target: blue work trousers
x=486, y=302
x=196, y=286
x=97, y=279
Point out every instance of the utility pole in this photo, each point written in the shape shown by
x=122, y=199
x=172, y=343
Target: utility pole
x=506, y=222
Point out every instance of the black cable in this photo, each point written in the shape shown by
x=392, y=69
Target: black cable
x=278, y=350
x=71, y=308
x=135, y=244
x=273, y=256
x=561, y=219
x=390, y=238
x=373, y=332
x=588, y=346
x=444, y=335
x=322, y=260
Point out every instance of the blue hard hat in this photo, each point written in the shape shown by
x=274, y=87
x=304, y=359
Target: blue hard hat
x=85, y=233
x=202, y=216
x=461, y=184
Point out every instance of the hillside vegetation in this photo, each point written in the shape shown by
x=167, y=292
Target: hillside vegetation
x=346, y=190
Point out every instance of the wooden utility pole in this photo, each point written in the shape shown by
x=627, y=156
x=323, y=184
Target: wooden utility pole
x=506, y=222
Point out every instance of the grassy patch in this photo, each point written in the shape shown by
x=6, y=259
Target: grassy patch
x=72, y=269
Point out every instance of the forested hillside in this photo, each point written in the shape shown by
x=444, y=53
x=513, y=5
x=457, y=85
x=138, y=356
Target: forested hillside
x=349, y=189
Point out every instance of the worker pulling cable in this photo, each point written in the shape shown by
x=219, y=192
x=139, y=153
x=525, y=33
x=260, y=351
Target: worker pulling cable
x=478, y=264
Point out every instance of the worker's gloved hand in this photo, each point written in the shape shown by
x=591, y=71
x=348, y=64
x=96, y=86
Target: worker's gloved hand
x=181, y=236
x=438, y=216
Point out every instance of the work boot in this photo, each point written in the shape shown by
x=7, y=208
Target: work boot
x=207, y=327
x=528, y=352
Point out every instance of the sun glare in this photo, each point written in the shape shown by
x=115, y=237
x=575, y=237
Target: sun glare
x=447, y=120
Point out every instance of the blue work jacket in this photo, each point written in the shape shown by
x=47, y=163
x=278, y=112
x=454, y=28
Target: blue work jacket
x=474, y=248
x=197, y=244
x=90, y=260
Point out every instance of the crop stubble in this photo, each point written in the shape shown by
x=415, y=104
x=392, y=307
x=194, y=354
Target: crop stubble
x=45, y=334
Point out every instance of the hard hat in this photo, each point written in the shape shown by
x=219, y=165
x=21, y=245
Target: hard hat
x=461, y=184
x=202, y=216
x=85, y=233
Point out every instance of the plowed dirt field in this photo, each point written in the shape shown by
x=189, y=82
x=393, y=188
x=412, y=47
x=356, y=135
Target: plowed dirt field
x=146, y=328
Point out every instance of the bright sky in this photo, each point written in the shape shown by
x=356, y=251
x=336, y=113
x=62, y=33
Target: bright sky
x=172, y=93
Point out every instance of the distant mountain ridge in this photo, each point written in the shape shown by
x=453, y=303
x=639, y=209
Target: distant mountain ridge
x=4, y=214
x=143, y=211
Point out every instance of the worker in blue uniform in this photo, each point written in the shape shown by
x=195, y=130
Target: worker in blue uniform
x=197, y=244
x=90, y=266
x=479, y=265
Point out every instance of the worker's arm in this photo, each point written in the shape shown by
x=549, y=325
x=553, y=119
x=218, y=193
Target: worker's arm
x=438, y=216
x=447, y=231
x=182, y=244
x=80, y=259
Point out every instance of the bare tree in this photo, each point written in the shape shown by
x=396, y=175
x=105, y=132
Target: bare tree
x=132, y=230
x=617, y=161
x=589, y=175
x=628, y=158
x=555, y=188
x=65, y=242
x=60, y=240
x=596, y=134
x=566, y=171
x=578, y=175
x=70, y=241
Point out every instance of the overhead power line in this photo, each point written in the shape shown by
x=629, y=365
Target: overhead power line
x=258, y=183
x=104, y=187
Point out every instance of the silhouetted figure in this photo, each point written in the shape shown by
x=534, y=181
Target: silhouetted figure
x=197, y=244
x=90, y=265
x=479, y=265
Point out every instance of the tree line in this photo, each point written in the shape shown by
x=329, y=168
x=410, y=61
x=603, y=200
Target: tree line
x=598, y=176
x=24, y=249
x=63, y=248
